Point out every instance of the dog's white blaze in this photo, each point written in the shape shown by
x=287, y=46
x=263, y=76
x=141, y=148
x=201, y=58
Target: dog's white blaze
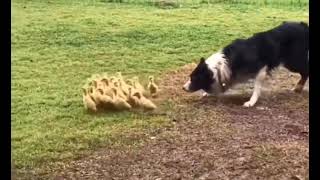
x=257, y=87
x=219, y=61
x=186, y=86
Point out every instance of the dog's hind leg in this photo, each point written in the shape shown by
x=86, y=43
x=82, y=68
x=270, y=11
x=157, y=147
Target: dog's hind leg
x=299, y=87
x=261, y=76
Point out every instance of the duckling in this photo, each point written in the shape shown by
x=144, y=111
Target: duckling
x=94, y=84
x=122, y=83
x=137, y=85
x=124, y=87
x=144, y=102
x=94, y=95
x=100, y=98
x=107, y=87
x=88, y=101
x=106, y=100
x=148, y=104
x=134, y=101
x=120, y=92
x=112, y=79
x=100, y=83
x=153, y=88
x=129, y=82
x=105, y=83
x=118, y=102
x=109, y=82
x=89, y=83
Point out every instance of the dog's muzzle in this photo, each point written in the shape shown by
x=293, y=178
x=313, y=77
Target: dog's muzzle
x=186, y=87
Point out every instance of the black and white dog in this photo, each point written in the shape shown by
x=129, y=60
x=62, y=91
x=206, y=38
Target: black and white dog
x=255, y=57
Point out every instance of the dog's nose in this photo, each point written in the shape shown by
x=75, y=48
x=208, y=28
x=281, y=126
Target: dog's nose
x=183, y=88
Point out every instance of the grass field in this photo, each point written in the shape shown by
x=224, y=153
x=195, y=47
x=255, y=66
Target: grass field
x=56, y=45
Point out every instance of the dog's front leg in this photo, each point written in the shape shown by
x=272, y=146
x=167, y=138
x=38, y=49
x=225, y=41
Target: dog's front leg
x=257, y=87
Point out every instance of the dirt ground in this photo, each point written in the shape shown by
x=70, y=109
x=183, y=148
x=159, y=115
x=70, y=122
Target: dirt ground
x=214, y=137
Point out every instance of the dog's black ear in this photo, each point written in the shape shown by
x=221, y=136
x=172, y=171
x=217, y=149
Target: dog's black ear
x=202, y=59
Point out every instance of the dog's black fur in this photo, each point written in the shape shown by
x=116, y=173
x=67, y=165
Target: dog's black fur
x=286, y=44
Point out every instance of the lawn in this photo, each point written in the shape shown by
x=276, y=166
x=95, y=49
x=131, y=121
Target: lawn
x=56, y=45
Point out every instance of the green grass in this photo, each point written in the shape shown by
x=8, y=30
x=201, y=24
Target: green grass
x=56, y=45
x=184, y=3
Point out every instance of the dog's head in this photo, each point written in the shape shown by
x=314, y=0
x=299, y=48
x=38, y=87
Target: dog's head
x=211, y=75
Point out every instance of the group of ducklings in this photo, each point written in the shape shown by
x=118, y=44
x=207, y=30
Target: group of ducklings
x=103, y=92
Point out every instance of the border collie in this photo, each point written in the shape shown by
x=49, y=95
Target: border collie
x=254, y=57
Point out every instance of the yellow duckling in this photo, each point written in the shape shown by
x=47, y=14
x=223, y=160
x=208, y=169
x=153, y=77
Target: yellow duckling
x=122, y=83
x=133, y=100
x=144, y=102
x=94, y=84
x=129, y=82
x=104, y=99
x=94, y=95
x=137, y=85
x=119, y=90
x=124, y=87
x=100, y=84
x=153, y=88
x=112, y=79
x=88, y=101
x=105, y=83
x=118, y=102
x=148, y=104
x=107, y=87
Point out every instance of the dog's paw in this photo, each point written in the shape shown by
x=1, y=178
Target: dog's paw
x=205, y=94
x=248, y=104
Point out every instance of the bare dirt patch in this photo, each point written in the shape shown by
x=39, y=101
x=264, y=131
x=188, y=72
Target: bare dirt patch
x=214, y=137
